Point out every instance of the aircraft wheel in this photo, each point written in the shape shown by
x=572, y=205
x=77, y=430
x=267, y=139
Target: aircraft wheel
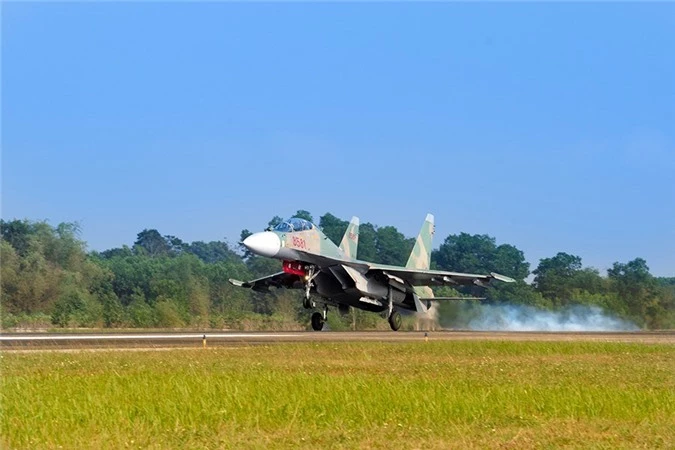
x=395, y=320
x=306, y=302
x=317, y=321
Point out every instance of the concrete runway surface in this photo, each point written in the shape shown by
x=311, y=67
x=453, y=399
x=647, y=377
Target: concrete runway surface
x=28, y=341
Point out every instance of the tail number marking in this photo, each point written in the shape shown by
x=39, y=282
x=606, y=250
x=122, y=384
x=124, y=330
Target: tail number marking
x=299, y=242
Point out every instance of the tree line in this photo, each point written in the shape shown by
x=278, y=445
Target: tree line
x=48, y=278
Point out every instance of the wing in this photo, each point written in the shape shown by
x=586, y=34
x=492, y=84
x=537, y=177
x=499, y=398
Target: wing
x=425, y=277
x=280, y=279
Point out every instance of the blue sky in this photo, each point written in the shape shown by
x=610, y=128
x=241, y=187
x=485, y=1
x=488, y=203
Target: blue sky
x=548, y=126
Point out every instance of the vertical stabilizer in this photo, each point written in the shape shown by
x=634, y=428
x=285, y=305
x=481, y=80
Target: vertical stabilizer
x=350, y=241
x=420, y=258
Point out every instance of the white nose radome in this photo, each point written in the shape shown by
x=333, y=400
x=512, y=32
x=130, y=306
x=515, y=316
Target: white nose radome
x=264, y=243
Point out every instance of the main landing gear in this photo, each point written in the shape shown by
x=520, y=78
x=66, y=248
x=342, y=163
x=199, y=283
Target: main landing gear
x=395, y=320
x=393, y=316
x=318, y=319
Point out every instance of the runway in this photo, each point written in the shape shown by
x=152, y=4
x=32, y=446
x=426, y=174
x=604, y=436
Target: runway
x=28, y=341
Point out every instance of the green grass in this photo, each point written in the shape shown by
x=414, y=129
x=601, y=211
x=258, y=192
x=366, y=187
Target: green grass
x=383, y=395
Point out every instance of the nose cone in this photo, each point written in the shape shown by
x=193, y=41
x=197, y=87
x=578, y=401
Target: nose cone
x=265, y=243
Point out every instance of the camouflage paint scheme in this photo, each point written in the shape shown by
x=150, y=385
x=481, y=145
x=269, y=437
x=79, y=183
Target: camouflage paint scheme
x=333, y=274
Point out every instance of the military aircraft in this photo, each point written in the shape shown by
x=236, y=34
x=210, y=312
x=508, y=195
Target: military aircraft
x=331, y=275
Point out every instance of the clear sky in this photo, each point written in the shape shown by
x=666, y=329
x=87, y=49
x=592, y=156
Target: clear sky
x=548, y=126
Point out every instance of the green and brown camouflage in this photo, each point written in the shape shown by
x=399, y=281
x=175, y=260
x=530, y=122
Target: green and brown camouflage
x=350, y=241
x=331, y=274
x=420, y=258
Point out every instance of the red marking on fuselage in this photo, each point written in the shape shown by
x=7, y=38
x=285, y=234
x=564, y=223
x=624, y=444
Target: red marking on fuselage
x=294, y=268
x=299, y=242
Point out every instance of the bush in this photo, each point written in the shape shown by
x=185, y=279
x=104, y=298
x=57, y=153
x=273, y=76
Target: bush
x=113, y=311
x=77, y=308
x=141, y=315
x=26, y=321
x=168, y=315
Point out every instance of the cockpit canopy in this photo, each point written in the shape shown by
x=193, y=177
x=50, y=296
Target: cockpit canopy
x=294, y=224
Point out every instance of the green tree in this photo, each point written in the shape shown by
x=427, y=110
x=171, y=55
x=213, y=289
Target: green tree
x=212, y=252
x=242, y=236
x=140, y=314
x=637, y=288
x=259, y=266
x=30, y=283
x=76, y=307
x=131, y=274
x=17, y=234
x=333, y=227
x=113, y=311
x=176, y=245
x=466, y=253
x=274, y=221
x=510, y=261
x=302, y=214
x=64, y=248
x=516, y=293
x=554, y=277
x=632, y=275
x=228, y=302
x=392, y=246
x=153, y=243
x=479, y=253
x=122, y=252
x=367, y=249
x=168, y=314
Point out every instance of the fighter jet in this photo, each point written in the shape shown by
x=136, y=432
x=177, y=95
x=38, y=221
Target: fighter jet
x=331, y=275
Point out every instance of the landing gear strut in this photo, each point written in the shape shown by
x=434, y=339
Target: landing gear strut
x=307, y=302
x=317, y=321
x=393, y=315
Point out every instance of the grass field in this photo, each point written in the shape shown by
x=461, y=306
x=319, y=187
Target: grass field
x=344, y=395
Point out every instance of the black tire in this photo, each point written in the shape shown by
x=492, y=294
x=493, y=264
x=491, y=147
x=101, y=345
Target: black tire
x=317, y=321
x=306, y=302
x=395, y=320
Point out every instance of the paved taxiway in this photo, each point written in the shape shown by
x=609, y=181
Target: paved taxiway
x=26, y=341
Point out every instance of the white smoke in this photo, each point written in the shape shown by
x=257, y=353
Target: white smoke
x=505, y=317
x=429, y=320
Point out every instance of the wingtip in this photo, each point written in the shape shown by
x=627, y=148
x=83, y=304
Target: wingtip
x=430, y=218
x=236, y=282
x=502, y=278
x=355, y=220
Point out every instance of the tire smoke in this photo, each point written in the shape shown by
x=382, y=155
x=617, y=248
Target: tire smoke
x=507, y=317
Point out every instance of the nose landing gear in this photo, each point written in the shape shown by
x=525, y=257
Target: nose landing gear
x=307, y=303
x=309, y=278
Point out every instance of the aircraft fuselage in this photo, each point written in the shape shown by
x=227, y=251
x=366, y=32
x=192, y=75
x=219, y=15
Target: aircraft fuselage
x=336, y=284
